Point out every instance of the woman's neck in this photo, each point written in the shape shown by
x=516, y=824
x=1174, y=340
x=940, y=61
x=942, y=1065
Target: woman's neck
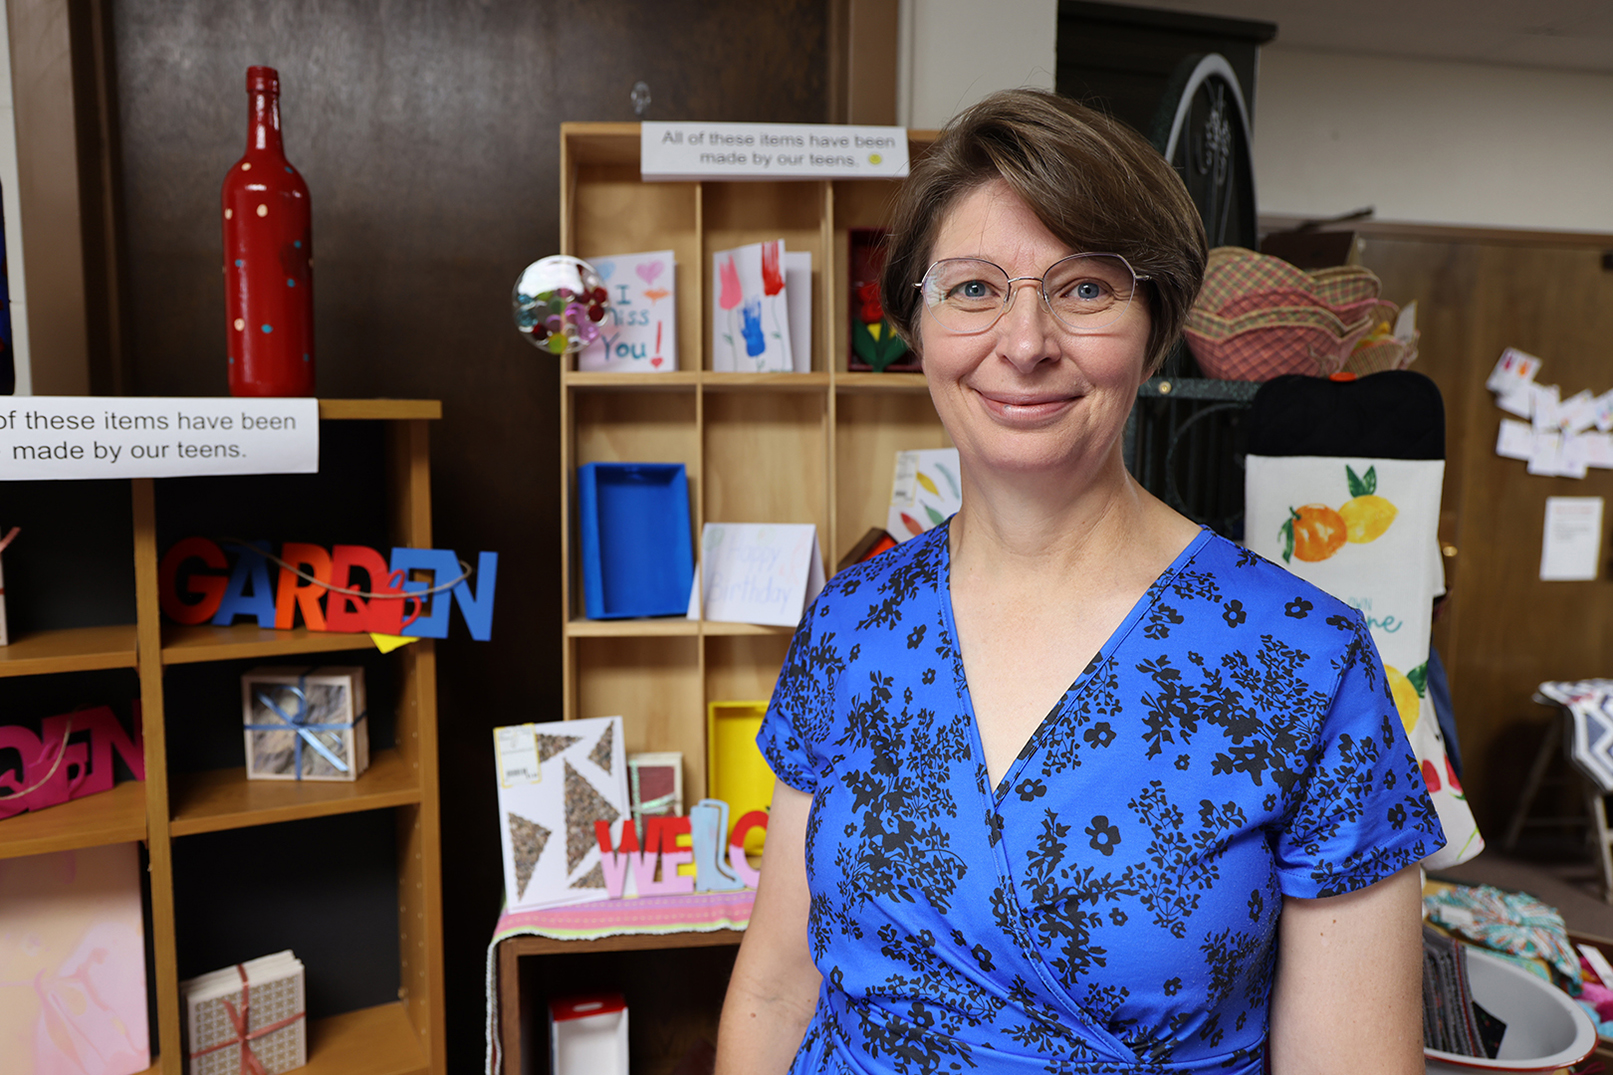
x=1036, y=524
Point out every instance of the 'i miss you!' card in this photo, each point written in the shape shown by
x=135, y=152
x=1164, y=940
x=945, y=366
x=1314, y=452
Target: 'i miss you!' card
x=640, y=335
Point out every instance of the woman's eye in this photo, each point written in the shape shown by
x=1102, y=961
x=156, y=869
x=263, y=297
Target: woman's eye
x=1087, y=291
x=973, y=289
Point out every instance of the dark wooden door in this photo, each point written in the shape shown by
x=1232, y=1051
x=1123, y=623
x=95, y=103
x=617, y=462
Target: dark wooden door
x=1503, y=631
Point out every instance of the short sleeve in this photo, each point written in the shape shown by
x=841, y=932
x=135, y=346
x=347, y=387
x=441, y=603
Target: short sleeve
x=800, y=715
x=1361, y=810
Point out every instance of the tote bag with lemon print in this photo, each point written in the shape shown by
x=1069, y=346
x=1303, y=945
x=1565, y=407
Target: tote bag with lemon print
x=1366, y=531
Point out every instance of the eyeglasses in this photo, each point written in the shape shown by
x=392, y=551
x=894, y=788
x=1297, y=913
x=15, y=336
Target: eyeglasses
x=1085, y=292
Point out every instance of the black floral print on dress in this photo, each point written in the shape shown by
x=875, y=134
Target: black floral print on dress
x=1111, y=904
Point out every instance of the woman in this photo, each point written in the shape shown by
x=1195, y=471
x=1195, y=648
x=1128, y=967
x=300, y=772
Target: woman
x=1068, y=784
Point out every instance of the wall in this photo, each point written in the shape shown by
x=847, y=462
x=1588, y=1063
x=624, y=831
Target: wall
x=1423, y=141
x=1433, y=142
x=951, y=53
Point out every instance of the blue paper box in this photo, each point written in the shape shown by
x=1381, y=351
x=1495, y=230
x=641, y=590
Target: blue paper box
x=637, y=543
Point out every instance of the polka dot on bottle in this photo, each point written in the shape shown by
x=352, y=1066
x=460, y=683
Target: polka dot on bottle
x=228, y=213
x=240, y=323
x=268, y=328
x=263, y=210
x=290, y=282
x=246, y=167
x=297, y=243
x=305, y=358
x=239, y=263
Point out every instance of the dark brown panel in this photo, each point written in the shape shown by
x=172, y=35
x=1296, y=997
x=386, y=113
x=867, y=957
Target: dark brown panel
x=429, y=136
x=1504, y=631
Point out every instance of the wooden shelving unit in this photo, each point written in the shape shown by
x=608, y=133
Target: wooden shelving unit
x=400, y=1038
x=814, y=447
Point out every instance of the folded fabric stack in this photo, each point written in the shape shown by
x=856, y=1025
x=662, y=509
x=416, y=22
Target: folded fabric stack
x=1258, y=317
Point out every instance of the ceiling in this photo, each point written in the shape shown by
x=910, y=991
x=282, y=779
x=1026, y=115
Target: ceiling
x=1564, y=35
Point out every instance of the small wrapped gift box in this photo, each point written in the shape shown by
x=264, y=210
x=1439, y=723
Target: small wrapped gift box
x=305, y=724
x=655, y=785
x=247, y=1018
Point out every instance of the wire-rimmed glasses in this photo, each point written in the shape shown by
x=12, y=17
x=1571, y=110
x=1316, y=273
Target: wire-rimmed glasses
x=1085, y=292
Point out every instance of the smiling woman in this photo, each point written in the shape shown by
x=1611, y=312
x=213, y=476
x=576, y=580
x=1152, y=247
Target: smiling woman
x=1067, y=783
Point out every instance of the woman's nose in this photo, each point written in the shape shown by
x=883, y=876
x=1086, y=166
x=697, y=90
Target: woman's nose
x=1027, y=331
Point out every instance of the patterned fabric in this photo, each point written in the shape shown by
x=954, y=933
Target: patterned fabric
x=1112, y=905
x=1514, y=923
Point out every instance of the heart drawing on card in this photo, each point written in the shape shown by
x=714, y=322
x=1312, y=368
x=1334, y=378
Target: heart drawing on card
x=656, y=361
x=649, y=270
x=605, y=269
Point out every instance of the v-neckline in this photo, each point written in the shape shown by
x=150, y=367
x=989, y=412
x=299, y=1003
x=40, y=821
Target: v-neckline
x=1033, y=743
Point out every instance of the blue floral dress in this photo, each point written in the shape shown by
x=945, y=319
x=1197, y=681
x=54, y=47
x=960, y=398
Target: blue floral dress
x=1111, y=906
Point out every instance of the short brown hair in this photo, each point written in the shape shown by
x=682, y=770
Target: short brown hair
x=1094, y=182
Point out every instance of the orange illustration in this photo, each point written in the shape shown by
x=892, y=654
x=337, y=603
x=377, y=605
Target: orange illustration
x=1315, y=531
x=1405, y=694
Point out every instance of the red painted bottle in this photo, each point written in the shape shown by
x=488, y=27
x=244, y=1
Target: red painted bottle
x=268, y=258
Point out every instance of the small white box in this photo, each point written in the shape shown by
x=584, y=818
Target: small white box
x=588, y=1035
x=305, y=724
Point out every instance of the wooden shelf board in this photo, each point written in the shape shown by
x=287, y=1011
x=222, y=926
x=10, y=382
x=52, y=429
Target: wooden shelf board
x=379, y=408
x=225, y=799
x=713, y=627
x=73, y=649
x=602, y=143
x=112, y=817
x=652, y=628
x=859, y=383
x=763, y=382
x=187, y=645
x=370, y=1041
x=630, y=942
x=638, y=382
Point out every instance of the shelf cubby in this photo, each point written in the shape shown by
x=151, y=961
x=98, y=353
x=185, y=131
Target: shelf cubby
x=69, y=649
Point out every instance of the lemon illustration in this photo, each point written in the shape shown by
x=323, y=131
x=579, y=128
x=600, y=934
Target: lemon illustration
x=1405, y=696
x=1367, y=515
x=1366, y=518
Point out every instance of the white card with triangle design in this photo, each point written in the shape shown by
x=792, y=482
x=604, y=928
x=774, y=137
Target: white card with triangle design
x=554, y=781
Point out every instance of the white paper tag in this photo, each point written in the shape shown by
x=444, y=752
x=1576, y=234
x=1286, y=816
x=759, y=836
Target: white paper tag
x=1513, y=370
x=1515, y=441
x=517, y=749
x=1572, y=544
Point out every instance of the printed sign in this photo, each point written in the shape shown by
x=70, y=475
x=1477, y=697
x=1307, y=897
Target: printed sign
x=690, y=151
x=63, y=437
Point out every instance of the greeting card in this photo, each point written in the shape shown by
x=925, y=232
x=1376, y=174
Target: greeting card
x=640, y=334
x=750, y=310
x=555, y=781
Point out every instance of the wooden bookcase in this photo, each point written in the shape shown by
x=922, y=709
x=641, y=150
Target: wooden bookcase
x=400, y=1038
x=814, y=447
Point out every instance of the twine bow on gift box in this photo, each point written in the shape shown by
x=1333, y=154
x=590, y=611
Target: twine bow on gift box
x=299, y=723
x=250, y=1064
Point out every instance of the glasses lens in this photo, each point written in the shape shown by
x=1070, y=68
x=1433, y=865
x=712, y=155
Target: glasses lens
x=1089, y=291
x=965, y=294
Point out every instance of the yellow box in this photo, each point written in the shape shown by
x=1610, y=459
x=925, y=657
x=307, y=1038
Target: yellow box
x=736, y=772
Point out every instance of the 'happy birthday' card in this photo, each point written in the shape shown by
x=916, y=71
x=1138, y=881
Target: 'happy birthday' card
x=640, y=333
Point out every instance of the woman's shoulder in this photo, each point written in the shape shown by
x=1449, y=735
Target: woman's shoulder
x=889, y=580
x=1251, y=589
